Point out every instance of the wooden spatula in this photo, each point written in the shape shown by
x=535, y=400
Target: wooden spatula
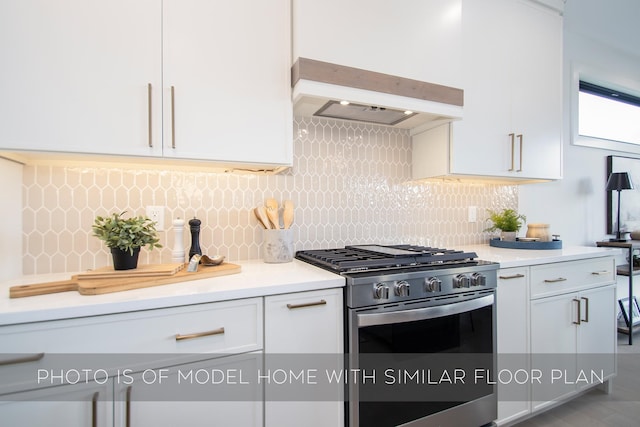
x=272, y=212
x=287, y=214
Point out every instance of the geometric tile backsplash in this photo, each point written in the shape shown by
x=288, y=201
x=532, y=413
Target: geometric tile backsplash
x=349, y=184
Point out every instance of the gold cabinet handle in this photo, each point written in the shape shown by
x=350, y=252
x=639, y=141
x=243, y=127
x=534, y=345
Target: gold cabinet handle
x=150, y=112
x=24, y=359
x=579, y=315
x=520, y=138
x=513, y=276
x=513, y=151
x=127, y=406
x=586, y=309
x=173, y=117
x=307, y=304
x=559, y=279
x=218, y=331
x=600, y=273
x=94, y=409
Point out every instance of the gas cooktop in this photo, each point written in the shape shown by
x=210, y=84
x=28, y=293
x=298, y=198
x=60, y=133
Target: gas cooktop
x=365, y=258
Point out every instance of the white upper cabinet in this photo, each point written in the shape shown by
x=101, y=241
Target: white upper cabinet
x=512, y=126
x=416, y=39
x=75, y=75
x=192, y=79
x=228, y=64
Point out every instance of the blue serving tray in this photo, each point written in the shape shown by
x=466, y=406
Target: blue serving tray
x=554, y=244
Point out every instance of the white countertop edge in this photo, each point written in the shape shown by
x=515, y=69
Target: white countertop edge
x=508, y=258
x=256, y=279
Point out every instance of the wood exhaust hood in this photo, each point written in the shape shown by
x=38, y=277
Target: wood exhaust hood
x=336, y=91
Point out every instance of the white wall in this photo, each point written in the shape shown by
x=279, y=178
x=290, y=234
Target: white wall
x=603, y=36
x=11, y=223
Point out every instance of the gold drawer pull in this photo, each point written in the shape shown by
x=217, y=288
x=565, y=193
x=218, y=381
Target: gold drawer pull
x=586, y=309
x=218, y=331
x=600, y=273
x=513, y=152
x=559, y=279
x=579, y=310
x=25, y=359
x=150, y=113
x=307, y=304
x=127, y=422
x=94, y=409
x=513, y=276
x=173, y=117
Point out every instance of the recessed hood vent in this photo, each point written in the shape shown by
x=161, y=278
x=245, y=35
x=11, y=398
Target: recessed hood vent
x=363, y=113
x=346, y=93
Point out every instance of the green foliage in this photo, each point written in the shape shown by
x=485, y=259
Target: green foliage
x=507, y=220
x=126, y=234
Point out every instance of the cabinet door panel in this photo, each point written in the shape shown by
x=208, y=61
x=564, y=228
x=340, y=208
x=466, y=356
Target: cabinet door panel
x=481, y=144
x=513, y=339
x=145, y=409
x=553, y=345
x=513, y=85
x=597, y=333
x=537, y=96
x=229, y=65
x=69, y=406
x=75, y=73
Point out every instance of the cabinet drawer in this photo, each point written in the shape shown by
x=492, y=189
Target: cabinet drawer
x=304, y=322
x=561, y=277
x=163, y=336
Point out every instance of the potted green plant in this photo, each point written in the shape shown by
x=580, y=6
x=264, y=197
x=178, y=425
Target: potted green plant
x=508, y=221
x=125, y=237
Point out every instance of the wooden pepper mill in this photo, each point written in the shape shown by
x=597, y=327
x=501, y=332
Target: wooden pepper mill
x=195, y=237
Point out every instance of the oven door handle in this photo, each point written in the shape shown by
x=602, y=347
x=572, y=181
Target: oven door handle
x=402, y=316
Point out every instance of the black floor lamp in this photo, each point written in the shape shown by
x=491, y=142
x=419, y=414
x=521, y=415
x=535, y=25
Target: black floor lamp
x=619, y=181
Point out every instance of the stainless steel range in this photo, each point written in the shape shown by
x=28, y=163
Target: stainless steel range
x=404, y=303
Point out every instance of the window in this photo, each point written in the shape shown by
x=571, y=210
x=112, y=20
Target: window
x=608, y=114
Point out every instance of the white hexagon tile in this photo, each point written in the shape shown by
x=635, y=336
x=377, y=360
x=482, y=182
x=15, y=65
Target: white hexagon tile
x=348, y=183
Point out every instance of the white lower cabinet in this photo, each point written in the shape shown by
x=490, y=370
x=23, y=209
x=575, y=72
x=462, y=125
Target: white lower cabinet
x=304, y=323
x=580, y=324
x=125, y=351
x=558, y=319
x=194, y=365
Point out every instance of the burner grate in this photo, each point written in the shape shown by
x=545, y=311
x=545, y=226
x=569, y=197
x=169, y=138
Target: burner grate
x=379, y=258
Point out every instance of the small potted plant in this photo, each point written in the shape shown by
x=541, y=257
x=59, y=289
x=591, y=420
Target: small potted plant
x=508, y=221
x=125, y=237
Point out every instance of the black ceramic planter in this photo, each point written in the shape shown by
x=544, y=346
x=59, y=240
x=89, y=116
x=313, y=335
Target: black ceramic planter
x=123, y=260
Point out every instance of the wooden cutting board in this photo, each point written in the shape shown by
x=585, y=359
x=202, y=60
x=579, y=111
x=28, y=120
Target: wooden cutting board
x=144, y=270
x=88, y=286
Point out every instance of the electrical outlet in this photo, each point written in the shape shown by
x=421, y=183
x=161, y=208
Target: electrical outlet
x=156, y=214
x=473, y=213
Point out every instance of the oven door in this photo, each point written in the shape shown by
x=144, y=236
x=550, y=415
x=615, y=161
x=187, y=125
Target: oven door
x=461, y=328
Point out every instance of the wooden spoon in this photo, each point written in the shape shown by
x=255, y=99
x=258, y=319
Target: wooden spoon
x=287, y=214
x=261, y=214
x=272, y=212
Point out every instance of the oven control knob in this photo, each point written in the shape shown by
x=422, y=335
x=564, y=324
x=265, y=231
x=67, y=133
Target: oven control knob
x=432, y=284
x=461, y=281
x=401, y=288
x=380, y=291
x=478, y=279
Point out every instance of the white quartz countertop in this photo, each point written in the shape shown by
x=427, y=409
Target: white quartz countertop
x=256, y=279
x=523, y=257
